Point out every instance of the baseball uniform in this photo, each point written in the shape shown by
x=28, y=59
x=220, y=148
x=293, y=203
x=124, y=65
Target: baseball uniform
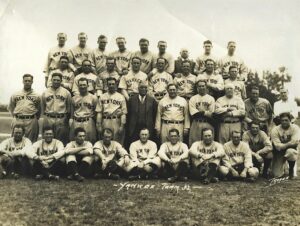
x=198, y=103
x=84, y=110
x=147, y=61
x=280, y=137
x=239, y=88
x=113, y=110
x=260, y=111
x=78, y=54
x=53, y=58
x=185, y=85
x=144, y=153
x=172, y=113
x=227, y=61
x=103, y=80
x=179, y=153
x=109, y=156
x=170, y=63
x=56, y=105
x=158, y=84
x=92, y=83
x=239, y=158
x=229, y=123
x=200, y=63
x=214, y=83
x=130, y=82
x=67, y=78
x=122, y=60
x=99, y=60
x=25, y=107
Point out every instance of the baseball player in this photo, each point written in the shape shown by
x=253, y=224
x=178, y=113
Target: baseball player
x=214, y=81
x=112, y=111
x=258, y=109
x=174, y=156
x=200, y=61
x=230, y=109
x=79, y=156
x=99, y=55
x=122, y=57
x=239, y=86
x=186, y=81
x=25, y=107
x=170, y=64
x=55, y=53
x=172, y=112
x=40, y=150
x=159, y=81
x=84, y=110
x=109, y=72
x=201, y=108
x=56, y=106
x=260, y=146
x=79, y=53
x=145, y=55
x=232, y=60
x=129, y=84
x=144, y=158
x=206, y=153
x=11, y=149
x=67, y=74
x=285, y=138
x=110, y=157
x=184, y=56
x=237, y=162
x=92, y=79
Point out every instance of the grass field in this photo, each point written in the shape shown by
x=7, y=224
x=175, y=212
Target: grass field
x=106, y=202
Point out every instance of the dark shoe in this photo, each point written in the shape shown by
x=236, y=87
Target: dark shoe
x=172, y=179
x=79, y=178
x=39, y=177
x=214, y=180
x=114, y=176
x=3, y=174
x=70, y=177
x=250, y=180
x=53, y=177
x=133, y=177
x=291, y=177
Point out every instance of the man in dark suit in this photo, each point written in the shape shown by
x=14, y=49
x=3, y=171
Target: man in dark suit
x=141, y=114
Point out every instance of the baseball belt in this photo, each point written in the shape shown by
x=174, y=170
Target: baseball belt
x=111, y=117
x=55, y=115
x=172, y=121
x=81, y=119
x=201, y=120
x=25, y=116
x=231, y=121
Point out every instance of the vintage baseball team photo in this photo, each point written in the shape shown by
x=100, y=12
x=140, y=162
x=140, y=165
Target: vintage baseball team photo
x=146, y=136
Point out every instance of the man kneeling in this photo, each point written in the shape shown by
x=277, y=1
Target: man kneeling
x=110, y=157
x=206, y=156
x=174, y=155
x=144, y=158
x=237, y=162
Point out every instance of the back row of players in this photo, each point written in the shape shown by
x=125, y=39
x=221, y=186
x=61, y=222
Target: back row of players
x=156, y=101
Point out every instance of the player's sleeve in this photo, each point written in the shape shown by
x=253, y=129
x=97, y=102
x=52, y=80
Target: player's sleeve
x=75, y=89
x=122, y=84
x=275, y=137
x=4, y=145
x=158, y=115
x=219, y=108
x=153, y=151
x=211, y=108
x=12, y=104
x=162, y=153
x=193, y=152
x=132, y=151
x=248, y=156
x=97, y=151
x=267, y=144
x=47, y=64
x=185, y=154
x=31, y=150
x=220, y=153
x=246, y=138
x=187, y=123
x=121, y=151
x=192, y=106
x=240, y=112
x=69, y=84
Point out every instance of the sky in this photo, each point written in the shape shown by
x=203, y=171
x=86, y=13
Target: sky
x=267, y=32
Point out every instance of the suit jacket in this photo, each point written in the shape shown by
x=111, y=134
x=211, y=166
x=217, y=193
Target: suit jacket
x=151, y=108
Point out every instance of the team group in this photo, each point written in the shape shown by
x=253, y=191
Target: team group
x=99, y=105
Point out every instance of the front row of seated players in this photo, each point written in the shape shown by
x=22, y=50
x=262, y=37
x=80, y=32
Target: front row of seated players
x=240, y=158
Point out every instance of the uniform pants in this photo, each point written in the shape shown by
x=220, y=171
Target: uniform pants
x=279, y=160
x=170, y=171
x=60, y=128
x=79, y=164
x=90, y=128
x=205, y=171
x=196, y=131
x=55, y=168
x=111, y=167
x=31, y=127
x=226, y=129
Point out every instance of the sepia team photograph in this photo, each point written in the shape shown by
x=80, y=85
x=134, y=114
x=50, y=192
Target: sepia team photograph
x=160, y=112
